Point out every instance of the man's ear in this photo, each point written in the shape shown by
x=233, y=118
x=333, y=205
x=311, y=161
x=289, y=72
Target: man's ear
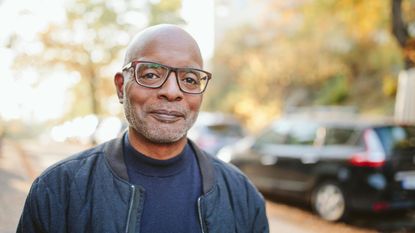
x=119, y=83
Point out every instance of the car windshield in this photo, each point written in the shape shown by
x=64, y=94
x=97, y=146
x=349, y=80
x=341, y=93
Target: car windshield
x=397, y=138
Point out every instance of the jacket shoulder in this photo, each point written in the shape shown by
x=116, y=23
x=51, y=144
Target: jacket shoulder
x=68, y=167
x=228, y=169
x=246, y=201
x=230, y=176
x=60, y=185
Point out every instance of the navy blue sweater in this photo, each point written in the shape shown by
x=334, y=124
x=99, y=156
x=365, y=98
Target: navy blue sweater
x=172, y=188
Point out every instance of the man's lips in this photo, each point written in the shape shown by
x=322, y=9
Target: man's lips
x=166, y=116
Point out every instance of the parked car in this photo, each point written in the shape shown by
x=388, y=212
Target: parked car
x=213, y=130
x=336, y=166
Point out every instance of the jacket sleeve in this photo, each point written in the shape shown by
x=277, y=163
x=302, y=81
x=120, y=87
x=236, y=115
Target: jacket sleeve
x=43, y=211
x=260, y=220
x=29, y=220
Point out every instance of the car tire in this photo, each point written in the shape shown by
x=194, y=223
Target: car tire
x=329, y=201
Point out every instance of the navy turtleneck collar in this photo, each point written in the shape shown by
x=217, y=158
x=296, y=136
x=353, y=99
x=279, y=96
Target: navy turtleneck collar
x=153, y=167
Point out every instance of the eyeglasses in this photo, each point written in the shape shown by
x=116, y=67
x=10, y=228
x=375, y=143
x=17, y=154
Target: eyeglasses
x=154, y=75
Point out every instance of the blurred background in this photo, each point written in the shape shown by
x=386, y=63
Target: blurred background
x=268, y=58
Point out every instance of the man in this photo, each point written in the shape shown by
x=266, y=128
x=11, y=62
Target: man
x=153, y=179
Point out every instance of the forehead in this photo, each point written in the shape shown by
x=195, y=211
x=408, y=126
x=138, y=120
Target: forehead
x=169, y=47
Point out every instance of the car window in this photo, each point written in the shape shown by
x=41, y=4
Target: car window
x=302, y=133
x=226, y=130
x=271, y=136
x=276, y=134
x=397, y=137
x=340, y=136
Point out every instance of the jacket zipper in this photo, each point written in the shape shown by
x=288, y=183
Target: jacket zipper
x=200, y=213
x=131, y=217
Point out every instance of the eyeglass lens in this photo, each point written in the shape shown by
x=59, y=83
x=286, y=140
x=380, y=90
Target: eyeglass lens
x=154, y=75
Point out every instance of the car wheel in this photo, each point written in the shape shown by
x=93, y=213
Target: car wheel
x=329, y=202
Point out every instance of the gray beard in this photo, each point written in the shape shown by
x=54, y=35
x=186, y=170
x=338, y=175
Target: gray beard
x=157, y=133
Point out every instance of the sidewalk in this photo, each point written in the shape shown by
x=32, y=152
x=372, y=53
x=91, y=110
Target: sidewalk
x=15, y=181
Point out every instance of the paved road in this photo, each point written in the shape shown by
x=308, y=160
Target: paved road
x=14, y=184
x=21, y=163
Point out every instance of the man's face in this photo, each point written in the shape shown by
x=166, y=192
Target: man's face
x=162, y=115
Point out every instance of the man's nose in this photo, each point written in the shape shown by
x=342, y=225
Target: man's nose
x=170, y=89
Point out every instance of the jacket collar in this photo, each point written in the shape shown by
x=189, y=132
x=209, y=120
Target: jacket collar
x=114, y=151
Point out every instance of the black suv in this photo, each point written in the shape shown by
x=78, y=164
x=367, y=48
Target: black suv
x=337, y=166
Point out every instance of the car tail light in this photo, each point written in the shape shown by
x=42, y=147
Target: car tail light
x=373, y=156
x=360, y=160
x=380, y=206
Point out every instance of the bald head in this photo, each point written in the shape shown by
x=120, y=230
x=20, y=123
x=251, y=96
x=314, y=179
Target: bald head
x=163, y=37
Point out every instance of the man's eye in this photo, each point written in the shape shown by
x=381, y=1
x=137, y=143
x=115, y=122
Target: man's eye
x=191, y=80
x=149, y=76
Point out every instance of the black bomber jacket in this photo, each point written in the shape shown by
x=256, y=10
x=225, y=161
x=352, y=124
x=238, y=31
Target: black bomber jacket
x=90, y=192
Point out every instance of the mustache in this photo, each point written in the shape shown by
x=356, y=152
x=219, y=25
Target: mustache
x=171, y=109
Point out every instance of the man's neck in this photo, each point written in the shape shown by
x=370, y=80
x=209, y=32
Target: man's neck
x=161, y=151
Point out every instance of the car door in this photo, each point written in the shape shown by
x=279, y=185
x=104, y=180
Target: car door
x=264, y=155
x=297, y=157
x=284, y=154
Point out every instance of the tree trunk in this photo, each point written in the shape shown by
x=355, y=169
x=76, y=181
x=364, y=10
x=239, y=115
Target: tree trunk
x=93, y=96
x=405, y=97
x=400, y=30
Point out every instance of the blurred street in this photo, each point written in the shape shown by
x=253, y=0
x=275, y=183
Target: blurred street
x=14, y=182
x=21, y=163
